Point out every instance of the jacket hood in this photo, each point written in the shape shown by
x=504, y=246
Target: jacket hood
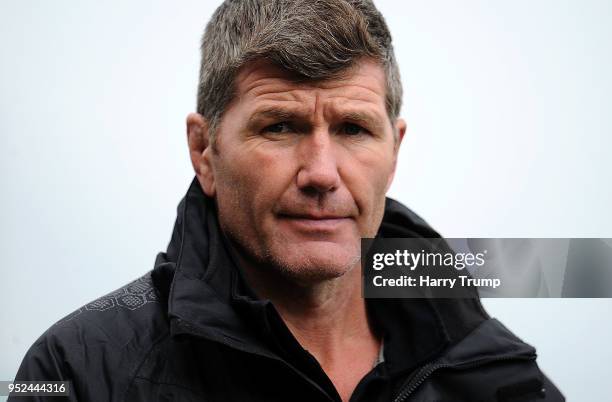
x=208, y=297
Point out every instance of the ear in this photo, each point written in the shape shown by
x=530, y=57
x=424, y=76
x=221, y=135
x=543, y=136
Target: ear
x=200, y=152
x=400, y=130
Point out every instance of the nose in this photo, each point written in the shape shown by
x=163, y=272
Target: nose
x=318, y=172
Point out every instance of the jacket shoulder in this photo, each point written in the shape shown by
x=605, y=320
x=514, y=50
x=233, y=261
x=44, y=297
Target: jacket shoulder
x=492, y=363
x=132, y=306
x=400, y=221
x=104, y=340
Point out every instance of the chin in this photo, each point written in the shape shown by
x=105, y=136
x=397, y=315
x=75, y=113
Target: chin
x=315, y=264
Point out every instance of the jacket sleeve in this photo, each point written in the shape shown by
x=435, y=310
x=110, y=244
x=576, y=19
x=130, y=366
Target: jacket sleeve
x=44, y=361
x=530, y=388
x=551, y=392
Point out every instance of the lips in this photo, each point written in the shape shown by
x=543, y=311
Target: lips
x=312, y=216
x=317, y=222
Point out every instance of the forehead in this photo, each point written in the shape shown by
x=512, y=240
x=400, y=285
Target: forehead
x=363, y=83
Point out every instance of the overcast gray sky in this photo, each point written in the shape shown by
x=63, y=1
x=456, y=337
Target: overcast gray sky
x=509, y=134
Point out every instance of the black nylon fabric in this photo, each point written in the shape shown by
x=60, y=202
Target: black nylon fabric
x=192, y=330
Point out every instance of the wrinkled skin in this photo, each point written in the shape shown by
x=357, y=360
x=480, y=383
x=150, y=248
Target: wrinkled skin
x=300, y=170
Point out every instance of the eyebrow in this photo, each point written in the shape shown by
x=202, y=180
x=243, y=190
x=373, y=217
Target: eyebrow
x=272, y=113
x=362, y=118
x=369, y=120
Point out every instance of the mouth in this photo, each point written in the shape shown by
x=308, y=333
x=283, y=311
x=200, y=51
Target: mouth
x=314, y=222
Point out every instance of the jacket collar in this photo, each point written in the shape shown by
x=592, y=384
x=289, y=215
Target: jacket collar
x=208, y=297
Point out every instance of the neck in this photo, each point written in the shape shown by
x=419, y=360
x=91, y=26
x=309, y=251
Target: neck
x=322, y=316
x=328, y=319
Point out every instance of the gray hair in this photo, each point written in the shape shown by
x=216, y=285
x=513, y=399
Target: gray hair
x=312, y=39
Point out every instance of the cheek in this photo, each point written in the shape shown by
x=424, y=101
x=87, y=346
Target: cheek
x=249, y=182
x=366, y=176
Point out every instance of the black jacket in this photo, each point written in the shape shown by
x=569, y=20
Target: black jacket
x=192, y=330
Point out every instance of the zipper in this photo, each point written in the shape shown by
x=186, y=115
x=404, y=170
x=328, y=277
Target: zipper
x=412, y=383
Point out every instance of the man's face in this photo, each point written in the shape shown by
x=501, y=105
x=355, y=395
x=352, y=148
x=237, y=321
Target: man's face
x=300, y=170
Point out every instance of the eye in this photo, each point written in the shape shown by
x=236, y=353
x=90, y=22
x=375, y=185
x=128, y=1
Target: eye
x=353, y=129
x=281, y=127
